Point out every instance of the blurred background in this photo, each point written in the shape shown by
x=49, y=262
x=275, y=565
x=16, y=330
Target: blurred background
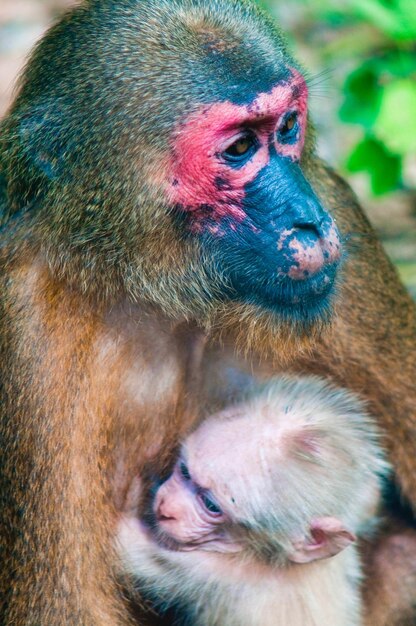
x=360, y=57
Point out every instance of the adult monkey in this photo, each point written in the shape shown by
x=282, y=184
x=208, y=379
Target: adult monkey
x=150, y=179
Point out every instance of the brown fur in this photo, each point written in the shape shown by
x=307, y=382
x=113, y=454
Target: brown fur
x=389, y=589
x=80, y=419
x=99, y=346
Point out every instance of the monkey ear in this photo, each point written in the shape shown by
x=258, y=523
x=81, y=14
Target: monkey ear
x=328, y=536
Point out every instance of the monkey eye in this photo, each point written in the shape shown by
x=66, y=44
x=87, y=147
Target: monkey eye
x=210, y=505
x=241, y=150
x=184, y=471
x=288, y=130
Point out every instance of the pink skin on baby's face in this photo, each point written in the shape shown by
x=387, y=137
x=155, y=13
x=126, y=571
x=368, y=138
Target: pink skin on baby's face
x=189, y=514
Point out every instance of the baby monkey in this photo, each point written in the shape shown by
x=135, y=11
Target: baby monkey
x=261, y=496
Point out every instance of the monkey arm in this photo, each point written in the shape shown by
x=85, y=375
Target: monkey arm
x=390, y=581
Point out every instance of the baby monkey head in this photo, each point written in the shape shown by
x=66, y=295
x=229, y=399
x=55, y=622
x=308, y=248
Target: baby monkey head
x=288, y=474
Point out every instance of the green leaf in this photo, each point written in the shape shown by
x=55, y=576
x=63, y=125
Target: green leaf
x=395, y=123
x=383, y=168
x=398, y=63
x=362, y=96
x=396, y=18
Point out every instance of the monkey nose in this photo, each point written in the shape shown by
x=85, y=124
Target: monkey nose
x=308, y=258
x=307, y=253
x=163, y=513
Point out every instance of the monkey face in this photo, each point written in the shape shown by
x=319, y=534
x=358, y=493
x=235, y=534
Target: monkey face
x=237, y=183
x=188, y=516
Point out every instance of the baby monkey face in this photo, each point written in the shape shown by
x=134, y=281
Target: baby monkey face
x=188, y=514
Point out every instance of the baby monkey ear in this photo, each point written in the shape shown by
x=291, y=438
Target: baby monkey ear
x=328, y=536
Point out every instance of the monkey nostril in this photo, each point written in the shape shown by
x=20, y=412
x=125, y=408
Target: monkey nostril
x=163, y=514
x=163, y=518
x=308, y=228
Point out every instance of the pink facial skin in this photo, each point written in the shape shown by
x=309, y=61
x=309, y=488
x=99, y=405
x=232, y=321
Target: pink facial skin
x=183, y=516
x=201, y=178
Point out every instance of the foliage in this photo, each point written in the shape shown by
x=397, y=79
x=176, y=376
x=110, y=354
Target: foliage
x=380, y=96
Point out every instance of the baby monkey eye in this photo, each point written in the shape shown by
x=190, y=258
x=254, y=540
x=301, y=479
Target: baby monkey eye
x=184, y=471
x=209, y=504
x=241, y=150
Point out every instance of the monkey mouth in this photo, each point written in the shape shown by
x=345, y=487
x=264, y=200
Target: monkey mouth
x=166, y=541
x=292, y=299
x=310, y=289
x=159, y=536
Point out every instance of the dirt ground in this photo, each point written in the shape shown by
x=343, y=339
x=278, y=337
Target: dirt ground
x=22, y=22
